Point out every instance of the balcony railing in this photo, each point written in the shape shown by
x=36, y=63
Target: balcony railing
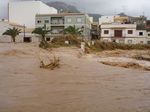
x=57, y=22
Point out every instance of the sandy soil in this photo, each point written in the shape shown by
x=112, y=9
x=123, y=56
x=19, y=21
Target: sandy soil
x=80, y=85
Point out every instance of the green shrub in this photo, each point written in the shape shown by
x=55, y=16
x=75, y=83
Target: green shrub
x=54, y=63
x=44, y=44
x=100, y=46
x=73, y=40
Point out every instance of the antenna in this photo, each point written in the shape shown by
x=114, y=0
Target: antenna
x=143, y=13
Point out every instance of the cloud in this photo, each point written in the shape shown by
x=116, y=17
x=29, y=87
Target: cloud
x=106, y=7
x=110, y=7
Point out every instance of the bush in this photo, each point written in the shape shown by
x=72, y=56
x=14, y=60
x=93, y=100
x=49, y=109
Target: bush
x=141, y=57
x=54, y=63
x=43, y=44
x=100, y=46
x=123, y=64
x=73, y=40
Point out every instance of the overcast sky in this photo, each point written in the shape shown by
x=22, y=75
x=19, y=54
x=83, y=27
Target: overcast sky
x=108, y=7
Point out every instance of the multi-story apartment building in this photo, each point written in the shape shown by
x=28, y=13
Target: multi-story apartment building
x=124, y=33
x=58, y=22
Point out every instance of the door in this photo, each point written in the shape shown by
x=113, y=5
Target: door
x=118, y=33
x=27, y=39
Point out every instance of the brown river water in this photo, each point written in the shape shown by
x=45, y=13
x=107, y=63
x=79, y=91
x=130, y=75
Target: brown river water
x=79, y=85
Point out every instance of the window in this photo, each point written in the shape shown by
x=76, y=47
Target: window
x=39, y=21
x=106, y=31
x=46, y=21
x=79, y=20
x=129, y=41
x=69, y=20
x=140, y=33
x=130, y=31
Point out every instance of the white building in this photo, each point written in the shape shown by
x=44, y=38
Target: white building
x=106, y=19
x=4, y=8
x=22, y=37
x=91, y=19
x=23, y=12
x=124, y=33
x=113, y=19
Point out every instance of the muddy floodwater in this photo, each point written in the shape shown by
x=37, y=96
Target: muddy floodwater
x=79, y=85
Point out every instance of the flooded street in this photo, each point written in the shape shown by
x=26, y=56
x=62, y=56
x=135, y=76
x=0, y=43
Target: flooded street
x=79, y=85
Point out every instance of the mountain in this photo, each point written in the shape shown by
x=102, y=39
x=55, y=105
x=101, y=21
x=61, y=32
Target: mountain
x=122, y=14
x=95, y=17
x=63, y=7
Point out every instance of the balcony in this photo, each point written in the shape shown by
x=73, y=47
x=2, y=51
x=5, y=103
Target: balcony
x=57, y=22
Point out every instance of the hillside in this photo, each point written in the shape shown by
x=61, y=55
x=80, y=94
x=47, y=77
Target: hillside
x=64, y=7
x=95, y=16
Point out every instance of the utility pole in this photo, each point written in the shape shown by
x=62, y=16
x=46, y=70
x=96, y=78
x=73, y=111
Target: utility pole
x=24, y=30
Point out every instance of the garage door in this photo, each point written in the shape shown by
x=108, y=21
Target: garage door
x=27, y=39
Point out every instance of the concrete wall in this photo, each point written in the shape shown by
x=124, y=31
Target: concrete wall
x=136, y=40
x=145, y=34
x=19, y=38
x=4, y=38
x=125, y=33
x=128, y=40
x=106, y=19
x=124, y=27
x=24, y=12
x=118, y=25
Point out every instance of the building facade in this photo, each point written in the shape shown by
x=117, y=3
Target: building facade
x=23, y=12
x=4, y=8
x=58, y=22
x=106, y=19
x=25, y=35
x=124, y=33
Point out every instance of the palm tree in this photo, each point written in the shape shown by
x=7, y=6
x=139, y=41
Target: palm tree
x=72, y=30
x=13, y=32
x=42, y=31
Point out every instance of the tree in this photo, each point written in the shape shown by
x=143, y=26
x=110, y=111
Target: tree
x=42, y=31
x=73, y=31
x=13, y=32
